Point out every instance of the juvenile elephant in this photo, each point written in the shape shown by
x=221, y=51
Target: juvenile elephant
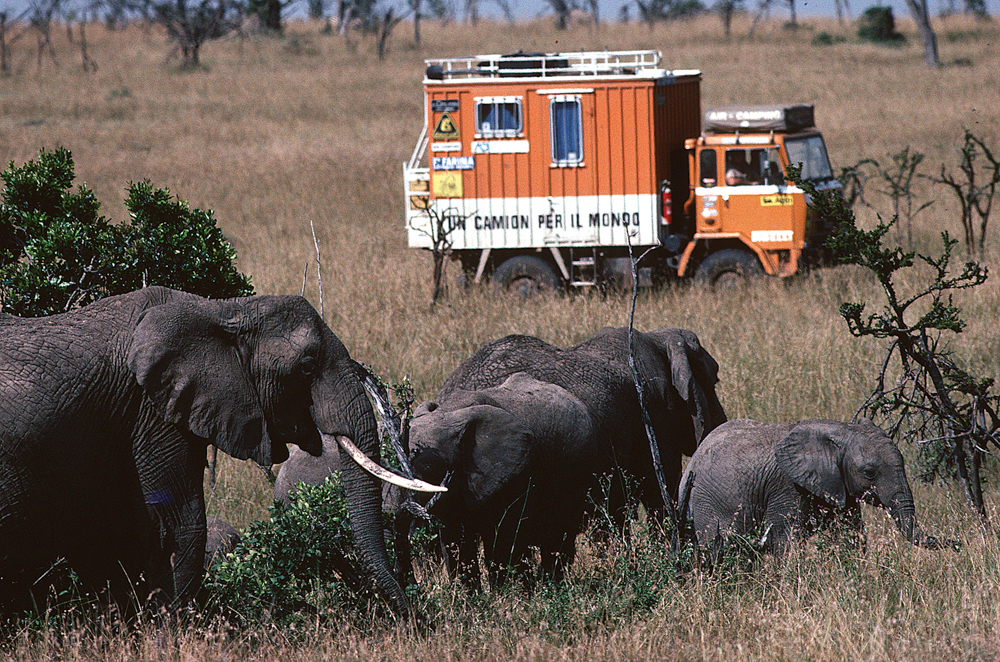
x=783, y=480
x=678, y=377
x=105, y=414
x=221, y=539
x=517, y=455
x=303, y=467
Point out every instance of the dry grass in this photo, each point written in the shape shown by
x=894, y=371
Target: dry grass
x=273, y=133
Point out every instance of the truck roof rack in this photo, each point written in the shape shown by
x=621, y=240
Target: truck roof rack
x=635, y=64
x=780, y=117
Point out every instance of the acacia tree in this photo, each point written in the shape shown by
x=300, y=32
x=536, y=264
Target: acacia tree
x=439, y=230
x=975, y=189
x=921, y=393
x=562, y=9
x=894, y=181
x=726, y=9
x=9, y=37
x=190, y=24
x=268, y=12
x=921, y=16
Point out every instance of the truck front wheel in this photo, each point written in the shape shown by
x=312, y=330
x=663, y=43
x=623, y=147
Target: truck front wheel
x=728, y=269
x=525, y=275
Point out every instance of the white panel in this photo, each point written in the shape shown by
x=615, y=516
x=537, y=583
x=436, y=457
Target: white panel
x=541, y=222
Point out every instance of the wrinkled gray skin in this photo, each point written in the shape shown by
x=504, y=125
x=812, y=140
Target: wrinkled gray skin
x=105, y=414
x=679, y=379
x=790, y=477
x=518, y=453
x=221, y=539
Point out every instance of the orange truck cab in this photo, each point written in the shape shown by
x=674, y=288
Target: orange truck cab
x=547, y=170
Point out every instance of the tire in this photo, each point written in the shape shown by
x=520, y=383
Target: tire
x=728, y=269
x=525, y=275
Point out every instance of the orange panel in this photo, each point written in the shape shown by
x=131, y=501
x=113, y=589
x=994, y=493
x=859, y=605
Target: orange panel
x=631, y=129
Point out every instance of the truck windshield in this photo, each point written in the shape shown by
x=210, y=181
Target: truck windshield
x=810, y=151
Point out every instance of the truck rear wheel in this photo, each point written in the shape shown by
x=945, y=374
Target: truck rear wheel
x=525, y=275
x=729, y=268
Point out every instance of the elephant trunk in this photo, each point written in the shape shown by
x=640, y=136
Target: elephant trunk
x=904, y=514
x=344, y=411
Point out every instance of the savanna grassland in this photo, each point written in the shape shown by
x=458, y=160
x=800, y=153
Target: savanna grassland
x=275, y=133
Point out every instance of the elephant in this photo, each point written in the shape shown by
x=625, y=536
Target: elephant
x=221, y=539
x=516, y=455
x=105, y=415
x=785, y=480
x=678, y=377
x=303, y=467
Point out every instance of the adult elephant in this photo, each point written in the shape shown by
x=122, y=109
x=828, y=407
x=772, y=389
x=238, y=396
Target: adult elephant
x=514, y=457
x=105, y=414
x=678, y=377
x=784, y=480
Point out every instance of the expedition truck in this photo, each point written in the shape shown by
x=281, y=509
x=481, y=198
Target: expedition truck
x=545, y=169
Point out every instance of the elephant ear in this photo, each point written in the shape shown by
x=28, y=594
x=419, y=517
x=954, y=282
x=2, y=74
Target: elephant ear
x=185, y=356
x=485, y=444
x=694, y=374
x=809, y=455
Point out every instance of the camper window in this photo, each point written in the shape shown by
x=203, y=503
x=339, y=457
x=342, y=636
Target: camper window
x=499, y=117
x=566, y=120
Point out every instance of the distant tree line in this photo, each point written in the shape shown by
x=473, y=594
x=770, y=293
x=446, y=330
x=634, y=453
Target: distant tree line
x=191, y=23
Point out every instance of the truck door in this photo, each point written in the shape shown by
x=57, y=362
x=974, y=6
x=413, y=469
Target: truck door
x=753, y=197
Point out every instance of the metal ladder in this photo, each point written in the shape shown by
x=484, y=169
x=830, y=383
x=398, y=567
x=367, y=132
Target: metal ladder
x=584, y=268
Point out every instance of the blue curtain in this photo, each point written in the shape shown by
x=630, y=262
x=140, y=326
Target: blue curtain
x=566, y=137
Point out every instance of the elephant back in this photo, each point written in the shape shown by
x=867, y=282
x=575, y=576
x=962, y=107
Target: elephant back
x=587, y=377
x=497, y=360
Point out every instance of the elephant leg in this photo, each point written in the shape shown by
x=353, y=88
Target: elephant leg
x=506, y=552
x=777, y=527
x=506, y=546
x=557, y=557
x=175, y=504
x=563, y=516
x=844, y=525
x=460, y=548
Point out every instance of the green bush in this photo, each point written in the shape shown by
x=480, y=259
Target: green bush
x=824, y=38
x=877, y=24
x=298, y=564
x=57, y=252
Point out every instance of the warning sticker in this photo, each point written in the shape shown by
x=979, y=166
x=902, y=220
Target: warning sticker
x=777, y=200
x=445, y=129
x=447, y=184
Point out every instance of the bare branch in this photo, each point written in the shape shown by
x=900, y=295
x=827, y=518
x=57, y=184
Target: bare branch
x=319, y=270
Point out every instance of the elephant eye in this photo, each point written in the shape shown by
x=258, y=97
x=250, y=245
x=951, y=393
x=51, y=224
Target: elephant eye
x=871, y=472
x=308, y=367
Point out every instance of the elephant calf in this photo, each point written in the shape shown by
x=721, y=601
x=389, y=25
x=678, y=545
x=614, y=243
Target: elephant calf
x=518, y=456
x=749, y=477
x=221, y=539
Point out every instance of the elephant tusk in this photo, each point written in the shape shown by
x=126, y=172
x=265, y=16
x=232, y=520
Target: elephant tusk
x=384, y=474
